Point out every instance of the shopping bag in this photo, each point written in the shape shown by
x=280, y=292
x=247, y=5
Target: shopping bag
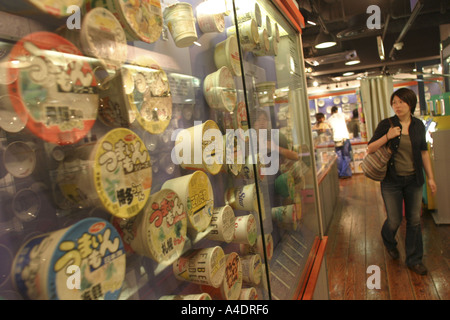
x=374, y=165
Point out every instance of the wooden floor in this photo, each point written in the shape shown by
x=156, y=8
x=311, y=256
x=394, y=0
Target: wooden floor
x=354, y=244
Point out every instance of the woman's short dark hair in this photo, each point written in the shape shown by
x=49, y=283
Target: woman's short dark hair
x=319, y=116
x=408, y=96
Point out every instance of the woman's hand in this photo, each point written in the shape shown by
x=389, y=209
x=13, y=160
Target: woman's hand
x=393, y=132
x=432, y=185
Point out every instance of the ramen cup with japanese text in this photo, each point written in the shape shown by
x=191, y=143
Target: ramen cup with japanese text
x=222, y=224
x=219, y=90
x=181, y=23
x=245, y=231
x=226, y=53
x=248, y=34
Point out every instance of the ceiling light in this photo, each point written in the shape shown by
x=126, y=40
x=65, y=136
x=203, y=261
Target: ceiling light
x=324, y=40
x=315, y=83
x=348, y=74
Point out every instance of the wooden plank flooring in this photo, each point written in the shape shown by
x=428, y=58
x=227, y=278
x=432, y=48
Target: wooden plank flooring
x=354, y=244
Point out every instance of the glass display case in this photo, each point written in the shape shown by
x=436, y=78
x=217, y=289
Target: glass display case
x=155, y=150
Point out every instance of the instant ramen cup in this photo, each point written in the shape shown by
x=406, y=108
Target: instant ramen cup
x=196, y=194
x=200, y=148
x=230, y=288
x=226, y=53
x=219, y=90
x=263, y=46
x=248, y=34
x=245, y=230
x=265, y=92
x=150, y=99
x=57, y=91
x=248, y=10
x=251, y=269
x=242, y=198
x=159, y=230
x=180, y=20
x=114, y=173
x=248, y=294
x=10, y=121
x=222, y=224
x=82, y=262
x=19, y=158
x=201, y=266
x=141, y=19
x=209, y=21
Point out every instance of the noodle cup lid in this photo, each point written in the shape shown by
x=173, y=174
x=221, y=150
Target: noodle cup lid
x=163, y=226
x=144, y=17
x=232, y=281
x=56, y=8
x=103, y=37
x=228, y=88
x=151, y=98
x=211, y=164
x=84, y=261
x=57, y=90
x=122, y=172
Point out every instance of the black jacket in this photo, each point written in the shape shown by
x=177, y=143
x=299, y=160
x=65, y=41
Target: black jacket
x=419, y=144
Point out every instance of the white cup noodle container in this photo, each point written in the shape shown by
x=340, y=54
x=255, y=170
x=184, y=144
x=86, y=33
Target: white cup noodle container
x=242, y=198
x=159, y=230
x=114, y=173
x=248, y=294
x=19, y=158
x=248, y=10
x=245, y=231
x=232, y=153
x=276, y=32
x=273, y=48
x=201, y=266
x=150, y=99
x=230, y=288
x=200, y=296
x=222, y=224
x=258, y=248
x=10, y=121
x=181, y=23
x=263, y=46
x=57, y=91
x=58, y=9
x=248, y=34
x=286, y=216
x=208, y=21
x=219, y=90
x=103, y=37
x=141, y=20
x=226, y=54
x=251, y=269
x=196, y=194
x=84, y=261
x=267, y=24
x=116, y=109
x=265, y=92
x=203, y=144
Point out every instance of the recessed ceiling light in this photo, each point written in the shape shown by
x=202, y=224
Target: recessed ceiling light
x=348, y=74
x=352, y=62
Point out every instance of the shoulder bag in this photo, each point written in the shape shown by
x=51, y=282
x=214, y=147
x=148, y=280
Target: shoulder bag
x=374, y=165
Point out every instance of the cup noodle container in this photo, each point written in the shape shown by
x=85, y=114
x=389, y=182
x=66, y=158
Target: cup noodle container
x=285, y=185
x=232, y=154
x=286, y=216
x=181, y=23
x=114, y=173
x=219, y=90
x=196, y=194
x=230, y=288
x=10, y=121
x=222, y=224
x=245, y=230
x=248, y=294
x=200, y=296
x=226, y=54
x=242, y=198
x=248, y=10
x=209, y=21
x=276, y=32
x=102, y=37
x=201, y=266
x=248, y=34
x=265, y=92
x=57, y=91
x=159, y=230
x=150, y=99
x=258, y=247
x=273, y=48
x=196, y=148
x=251, y=269
x=263, y=46
x=80, y=262
x=141, y=19
x=58, y=9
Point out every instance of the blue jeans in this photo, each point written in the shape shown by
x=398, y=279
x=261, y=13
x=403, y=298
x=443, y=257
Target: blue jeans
x=344, y=158
x=395, y=193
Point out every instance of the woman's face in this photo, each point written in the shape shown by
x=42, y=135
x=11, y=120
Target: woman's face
x=400, y=107
x=261, y=122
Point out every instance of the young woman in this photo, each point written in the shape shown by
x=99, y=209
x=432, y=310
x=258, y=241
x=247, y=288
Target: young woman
x=404, y=179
